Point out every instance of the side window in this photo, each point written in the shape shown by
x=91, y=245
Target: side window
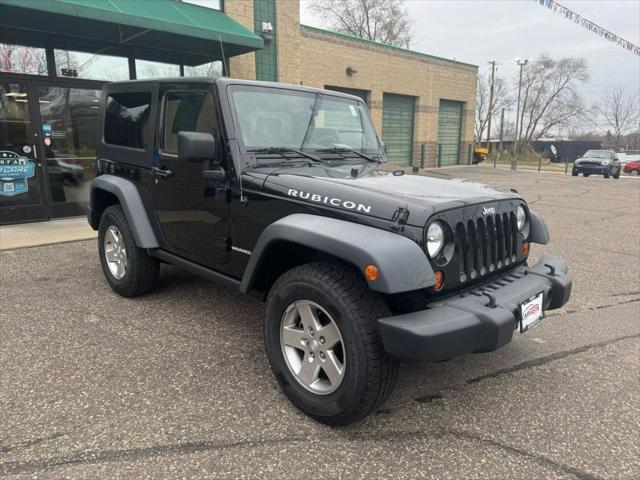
x=127, y=120
x=187, y=112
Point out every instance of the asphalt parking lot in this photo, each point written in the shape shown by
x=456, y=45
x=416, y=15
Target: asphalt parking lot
x=176, y=384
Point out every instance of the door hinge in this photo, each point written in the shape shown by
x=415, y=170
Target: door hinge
x=399, y=218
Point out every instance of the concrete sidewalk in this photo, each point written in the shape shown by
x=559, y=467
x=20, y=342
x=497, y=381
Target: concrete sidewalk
x=44, y=233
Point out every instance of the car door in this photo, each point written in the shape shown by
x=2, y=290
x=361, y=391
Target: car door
x=192, y=208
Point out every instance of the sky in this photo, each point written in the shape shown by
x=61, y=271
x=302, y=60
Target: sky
x=478, y=31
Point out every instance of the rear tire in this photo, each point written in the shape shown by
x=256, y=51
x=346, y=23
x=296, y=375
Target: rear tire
x=586, y=174
x=335, y=294
x=616, y=175
x=129, y=270
x=634, y=172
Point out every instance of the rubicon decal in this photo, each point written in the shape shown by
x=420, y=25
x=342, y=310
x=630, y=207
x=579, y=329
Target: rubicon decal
x=336, y=202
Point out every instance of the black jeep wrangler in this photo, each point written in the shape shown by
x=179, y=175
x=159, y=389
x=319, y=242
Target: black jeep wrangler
x=277, y=189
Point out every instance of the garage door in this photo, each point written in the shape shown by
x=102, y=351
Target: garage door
x=449, y=132
x=397, y=127
x=363, y=94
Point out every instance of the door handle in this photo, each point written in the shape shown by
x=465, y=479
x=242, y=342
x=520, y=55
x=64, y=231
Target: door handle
x=158, y=172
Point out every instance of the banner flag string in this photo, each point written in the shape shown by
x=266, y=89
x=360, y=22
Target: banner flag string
x=589, y=25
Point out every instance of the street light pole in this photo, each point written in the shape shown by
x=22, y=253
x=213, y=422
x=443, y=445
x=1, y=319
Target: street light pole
x=490, y=113
x=514, y=159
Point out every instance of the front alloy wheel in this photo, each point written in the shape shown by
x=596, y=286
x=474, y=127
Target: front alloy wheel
x=323, y=344
x=312, y=347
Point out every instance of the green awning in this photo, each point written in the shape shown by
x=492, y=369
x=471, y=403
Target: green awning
x=160, y=30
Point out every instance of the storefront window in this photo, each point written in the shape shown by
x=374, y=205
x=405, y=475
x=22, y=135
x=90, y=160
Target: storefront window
x=146, y=69
x=91, y=66
x=21, y=59
x=214, y=4
x=213, y=69
x=69, y=125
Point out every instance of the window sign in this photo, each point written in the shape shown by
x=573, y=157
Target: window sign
x=21, y=59
x=14, y=173
x=91, y=66
x=146, y=69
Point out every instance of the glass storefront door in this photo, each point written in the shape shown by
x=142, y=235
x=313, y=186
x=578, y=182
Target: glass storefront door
x=22, y=196
x=47, y=150
x=69, y=129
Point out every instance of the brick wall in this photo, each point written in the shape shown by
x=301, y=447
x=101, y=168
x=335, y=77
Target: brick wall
x=317, y=58
x=242, y=66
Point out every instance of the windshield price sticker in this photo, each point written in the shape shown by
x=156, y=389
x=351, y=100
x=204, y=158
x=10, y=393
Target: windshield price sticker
x=14, y=173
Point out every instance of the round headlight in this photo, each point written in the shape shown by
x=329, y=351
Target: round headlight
x=605, y=162
x=521, y=217
x=435, y=239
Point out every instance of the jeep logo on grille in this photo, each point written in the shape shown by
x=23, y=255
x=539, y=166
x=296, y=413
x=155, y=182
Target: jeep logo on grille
x=488, y=211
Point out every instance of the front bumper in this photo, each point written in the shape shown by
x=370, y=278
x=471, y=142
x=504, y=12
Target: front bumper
x=479, y=320
x=595, y=169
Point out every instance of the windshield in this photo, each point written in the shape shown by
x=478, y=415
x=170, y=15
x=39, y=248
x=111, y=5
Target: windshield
x=598, y=154
x=276, y=117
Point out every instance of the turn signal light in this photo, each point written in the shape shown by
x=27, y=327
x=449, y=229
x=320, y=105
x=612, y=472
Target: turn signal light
x=371, y=272
x=525, y=248
x=439, y=280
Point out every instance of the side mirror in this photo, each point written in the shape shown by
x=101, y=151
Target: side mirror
x=196, y=147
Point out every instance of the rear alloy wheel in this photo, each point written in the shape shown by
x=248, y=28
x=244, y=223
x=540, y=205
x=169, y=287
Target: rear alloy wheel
x=322, y=341
x=115, y=252
x=129, y=270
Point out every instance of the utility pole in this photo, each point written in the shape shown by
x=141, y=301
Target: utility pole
x=501, y=137
x=490, y=112
x=514, y=160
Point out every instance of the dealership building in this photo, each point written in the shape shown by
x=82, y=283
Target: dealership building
x=55, y=56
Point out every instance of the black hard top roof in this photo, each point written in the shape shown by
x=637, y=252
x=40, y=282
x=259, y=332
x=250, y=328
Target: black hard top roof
x=223, y=81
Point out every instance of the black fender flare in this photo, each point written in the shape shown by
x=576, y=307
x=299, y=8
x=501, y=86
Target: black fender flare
x=402, y=264
x=539, y=231
x=131, y=203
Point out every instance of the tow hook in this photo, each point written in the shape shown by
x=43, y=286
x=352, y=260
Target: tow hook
x=552, y=269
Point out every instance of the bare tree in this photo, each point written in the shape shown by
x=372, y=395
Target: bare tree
x=620, y=111
x=549, y=96
x=385, y=21
x=501, y=99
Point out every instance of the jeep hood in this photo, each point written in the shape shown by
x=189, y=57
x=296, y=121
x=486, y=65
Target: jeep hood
x=381, y=193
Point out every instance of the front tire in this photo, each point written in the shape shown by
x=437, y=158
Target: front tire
x=634, y=172
x=323, y=345
x=129, y=270
x=574, y=173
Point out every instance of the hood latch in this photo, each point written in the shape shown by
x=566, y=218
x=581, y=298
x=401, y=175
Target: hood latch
x=399, y=218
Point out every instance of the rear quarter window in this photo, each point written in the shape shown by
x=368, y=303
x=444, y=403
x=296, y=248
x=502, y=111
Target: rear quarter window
x=126, y=121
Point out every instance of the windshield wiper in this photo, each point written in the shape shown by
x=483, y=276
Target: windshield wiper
x=283, y=150
x=345, y=150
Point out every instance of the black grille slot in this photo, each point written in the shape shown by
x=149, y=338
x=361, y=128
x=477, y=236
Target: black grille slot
x=486, y=245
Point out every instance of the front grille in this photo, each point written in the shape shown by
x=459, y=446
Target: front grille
x=485, y=245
